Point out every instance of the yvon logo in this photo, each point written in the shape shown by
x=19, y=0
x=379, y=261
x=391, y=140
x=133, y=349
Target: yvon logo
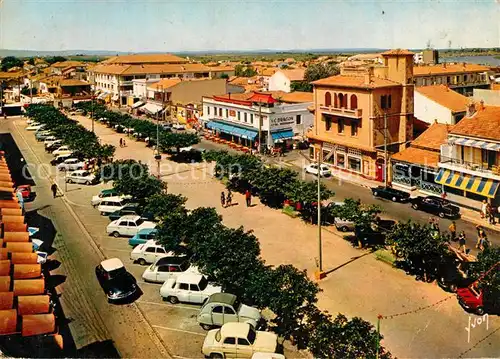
x=477, y=321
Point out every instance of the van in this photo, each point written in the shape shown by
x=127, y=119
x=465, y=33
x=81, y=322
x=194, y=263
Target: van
x=148, y=252
x=111, y=204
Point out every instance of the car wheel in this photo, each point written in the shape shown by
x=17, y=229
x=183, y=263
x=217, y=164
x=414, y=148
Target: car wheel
x=103, y=213
x=479, y=310
x=206, y=326
x=344, y=229
x=173, y=300
x=215, y=356
x=375, y=193
x=142, y=261
x=414, y=206
x=115, y=234
x=453, y=288
x=441, y=215
x=69, y=180
x=394, y=199
x=87, y=183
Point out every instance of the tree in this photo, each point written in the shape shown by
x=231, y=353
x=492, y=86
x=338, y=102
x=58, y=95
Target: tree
x=10, y=62
x=301, y=86
x=162, y=204
x=273, y=183
x=54, y=59
x=319, y=71
x=485, y=260
x=28, y=92
x=244, y=71
x=140, y=188
x=224, y=76
x=31, y=61
x=170, y=140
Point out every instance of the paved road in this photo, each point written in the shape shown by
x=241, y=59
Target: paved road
x=396, y=211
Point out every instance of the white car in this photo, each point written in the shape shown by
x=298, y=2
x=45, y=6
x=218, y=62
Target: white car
x=30, y=121
x=238, y=340
x=81, y=176
x=148, y=252
x=128, y=226
x=313, y=169
x=49, y=139
x=168, y=267
x=35, y=127
x=71, y=164
x=52, y=143
x=111, y=204
x=188, y=288
x=60, y=150
x=178, y=126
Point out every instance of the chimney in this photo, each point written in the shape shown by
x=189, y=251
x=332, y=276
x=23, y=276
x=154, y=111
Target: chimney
x=470, y=109
x=368, y=75
x=481, y=103
x=444, y=65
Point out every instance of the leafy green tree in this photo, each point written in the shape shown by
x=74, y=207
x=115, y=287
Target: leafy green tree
x=319, y=71
x=140, y=188
x=54, y=59
x=31, y=61
x=273, y=183
x=486, y=260
x=301, y=86
x=9, y=62
x=170, y=140
x=27, y=92
x=162, y=204
x=224, y=76
x=244, y=71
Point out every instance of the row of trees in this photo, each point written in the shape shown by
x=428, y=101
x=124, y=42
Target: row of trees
x=231, y=258
x=142, y=129
x=74, y=135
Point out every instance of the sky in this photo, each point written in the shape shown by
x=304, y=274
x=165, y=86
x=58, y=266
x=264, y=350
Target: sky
x=199, y=25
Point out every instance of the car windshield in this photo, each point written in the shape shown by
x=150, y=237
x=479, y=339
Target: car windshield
x=184, y=266
x=251, y=334
x=203, y=283
x=139, y=221
x=117, y=272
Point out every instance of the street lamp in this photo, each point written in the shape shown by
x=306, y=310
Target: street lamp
x=320, y=274
x=158, y=155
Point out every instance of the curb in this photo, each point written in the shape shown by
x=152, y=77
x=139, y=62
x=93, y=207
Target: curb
x=481, y=223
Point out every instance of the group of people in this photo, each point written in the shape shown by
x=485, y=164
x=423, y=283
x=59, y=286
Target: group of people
x=122, y=142
x=226, y=200
x=489, y=212
x=482, y=239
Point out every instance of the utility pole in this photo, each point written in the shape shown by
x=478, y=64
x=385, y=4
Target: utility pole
x=320, y=244
x=92, y=108
x=260, y=127
x=377, y=344
x=385, y=150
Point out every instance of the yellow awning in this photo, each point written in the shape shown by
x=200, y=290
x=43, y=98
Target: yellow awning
x=479, y=185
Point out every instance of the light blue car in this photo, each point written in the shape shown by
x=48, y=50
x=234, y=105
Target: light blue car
x=142, y=236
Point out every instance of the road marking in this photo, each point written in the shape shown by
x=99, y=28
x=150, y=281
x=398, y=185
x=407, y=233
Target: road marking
x=168, y=305
x=179, y=330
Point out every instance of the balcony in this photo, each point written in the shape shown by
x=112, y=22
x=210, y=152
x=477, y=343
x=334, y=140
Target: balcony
x=344, y=112
x=472, y=168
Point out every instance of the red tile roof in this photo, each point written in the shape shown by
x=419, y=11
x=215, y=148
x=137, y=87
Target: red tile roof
x=355, y=82
x=397, y=52
x=433, y=137
x=445, y=97
x=418, y=156
x=485, y=124
x=448, y=69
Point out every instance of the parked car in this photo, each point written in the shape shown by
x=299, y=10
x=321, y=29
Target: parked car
x=435, y=205
x=148, y=252
x=340, y=224
x=82, y=177
x=324, y=170
x=128, y=226
x=239, y=340
x=26, y=192
x=71, y=164
x=142, y=236
x=452, y=274
x=60, y=150
x=42, y=135
x=168, y=267
x=188, y=288
x=60, y=158
x=117, y=283
x=178, y=126
x=53, y=145
x=131, y=209
x=393, y=194
x=50, y=139
x=105, y=193
x=35, y=127
x=222, y=308
x=111, y=204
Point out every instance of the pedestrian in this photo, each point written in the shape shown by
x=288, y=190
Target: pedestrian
x=229, y=199
x=435, y=225
x=121, y=142
x=443, y=195
x=223, y=199
x=53, y=188
x=124, y=145
x=461, y=242
x=480, y=235
x=483, y=241
x=248, y=198
x=483, y=209
x=453, y=230
x=490, y=214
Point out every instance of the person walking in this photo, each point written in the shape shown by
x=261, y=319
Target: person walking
x=124, y=144
x=453, y=230
x=121, y=142
x=480, y=235
x=223, y=199
x=483, y=209
x=461, y=242
x=248, y=198
x=229, y=199
x=53, y=188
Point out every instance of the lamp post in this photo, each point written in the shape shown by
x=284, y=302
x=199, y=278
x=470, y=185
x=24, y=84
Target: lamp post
x=92, y=107
x=320, y=273
x=158, y=155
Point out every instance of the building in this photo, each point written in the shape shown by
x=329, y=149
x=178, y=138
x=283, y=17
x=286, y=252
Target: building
x=469, y=163
x=145, y=59
x=282, y=80
x=489, y=97
x=430, y=57
x=67, y=67
x=351, y=112
x=236, y=116
x=440, y=103
x=462, y=78
x=418, y=58
x=416, y=167
x=248, y=84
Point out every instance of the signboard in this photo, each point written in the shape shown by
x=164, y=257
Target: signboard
x=232, y=113
x=281, y=121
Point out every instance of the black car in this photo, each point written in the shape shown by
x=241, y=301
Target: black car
x=375, y=234
x=435, y=205
x=117, y=283
x=450, y=274
x=393, y=194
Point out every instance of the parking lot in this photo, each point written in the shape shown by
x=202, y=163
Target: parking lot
x=175, y=324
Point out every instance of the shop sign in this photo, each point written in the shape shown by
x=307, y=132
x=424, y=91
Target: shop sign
x=280, y=121
x=232, y=113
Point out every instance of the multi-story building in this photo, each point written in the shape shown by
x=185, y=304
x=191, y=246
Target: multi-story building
x=236, y=116
x=439, y=103
x=462, y=78
x=282, y=80
x=357, y=115
x=469, y=164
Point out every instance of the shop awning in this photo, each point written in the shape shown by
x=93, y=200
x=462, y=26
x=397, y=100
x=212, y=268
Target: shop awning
x=137, y=104
x=232, y=130
x=151, y=108
x=103, y=95
x=483, y=186
x=476, y=143
x=282, y=134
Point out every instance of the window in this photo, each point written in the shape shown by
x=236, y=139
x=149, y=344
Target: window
x=220, y=112
x=298, y=119
x=383, y=102
x=245, y=117
x=340, y=160
x=328, y=123
x=341, y=100
x=340, y=126
x=217, y=309
x=229, y=310
x=163, y=269
x=328, y=99
x=215, y=111
x=160, y=250
x=239, y=116
x=465, y=78
x=251, y=118
x=243, y=341
x=194, y=287
x=335, y=100
x=389, y=101
x=354, y=128
x=208, y=110
x=150, y=250
x=227, y=112
x=354, y=102
x=123, y=223
x=174, y=269
x=184, y=286
x=448, y=79
x=132, y=224
x=230, y=340
x=354, y=164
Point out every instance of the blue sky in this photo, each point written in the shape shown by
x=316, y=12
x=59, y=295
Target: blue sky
x=176, y=25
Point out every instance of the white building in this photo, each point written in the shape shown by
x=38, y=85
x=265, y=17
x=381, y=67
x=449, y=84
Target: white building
x=236, y=116
x=439, y=103
x=418, y=58
x=283, y=79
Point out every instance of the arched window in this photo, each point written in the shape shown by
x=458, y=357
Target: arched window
x=335, y=101
x=341, y=100
x=344, y=101
x=328, y=99
x=354, y=102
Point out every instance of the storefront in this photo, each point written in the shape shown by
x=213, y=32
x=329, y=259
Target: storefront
x=238, y=134
x=412, y=176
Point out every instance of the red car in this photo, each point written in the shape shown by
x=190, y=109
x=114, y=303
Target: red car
x=479, y=300
x=26, y=192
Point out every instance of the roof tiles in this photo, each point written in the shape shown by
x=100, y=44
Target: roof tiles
x=445, y=97
x=485, y=124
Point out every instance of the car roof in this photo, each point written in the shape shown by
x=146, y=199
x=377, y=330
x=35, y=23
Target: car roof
x=79, y=171
x=130, y=217
x=189, y=278
x=225, y=298
x=106, y=191
x=170, y=260
x=111, y=264
x=239, y=330
x=147, y=230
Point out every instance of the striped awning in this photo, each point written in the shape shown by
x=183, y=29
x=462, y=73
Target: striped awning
x=479, y=185
x=475, y=143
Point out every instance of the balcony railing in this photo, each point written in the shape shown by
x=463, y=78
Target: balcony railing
x=345, y=112
x=472, y=166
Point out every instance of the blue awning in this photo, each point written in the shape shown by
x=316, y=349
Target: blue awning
x=282, y=135
x=232, y=130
